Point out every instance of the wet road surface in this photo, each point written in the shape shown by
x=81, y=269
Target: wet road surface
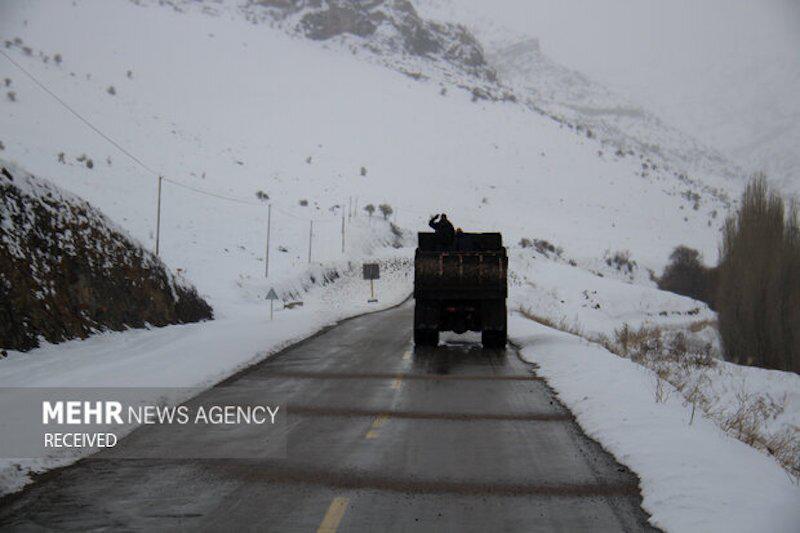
x=380, y=437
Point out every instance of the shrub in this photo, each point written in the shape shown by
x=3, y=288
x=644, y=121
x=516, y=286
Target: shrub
x=542, y=246
x=370, y=209
x=397, y=235
x=546, y=248
x=621, y=260
x=386, y=210
x=111, y=90
x=303, y=202
x=758, y=296
x=261, y=195
x=686, y=275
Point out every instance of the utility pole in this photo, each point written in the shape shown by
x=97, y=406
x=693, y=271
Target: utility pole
x=269, y=227
x=310, y=238
x=158, y=216
x=342, y=232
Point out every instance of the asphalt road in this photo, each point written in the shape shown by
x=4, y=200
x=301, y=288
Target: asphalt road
x=380, y=437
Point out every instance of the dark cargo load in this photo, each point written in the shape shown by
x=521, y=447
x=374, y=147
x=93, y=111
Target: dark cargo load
x=475, y=242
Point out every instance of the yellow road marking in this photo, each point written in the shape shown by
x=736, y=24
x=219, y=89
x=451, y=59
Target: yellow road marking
x=333, y=516
x=376, y=424
x=407, y=355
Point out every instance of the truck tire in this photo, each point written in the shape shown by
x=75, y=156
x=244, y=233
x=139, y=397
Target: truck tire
x=494, y=339
x=496, y=334
x=426, y=337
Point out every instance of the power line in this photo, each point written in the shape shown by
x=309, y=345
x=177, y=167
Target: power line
x=214, y=194
x=139, y=161
x=78, y=115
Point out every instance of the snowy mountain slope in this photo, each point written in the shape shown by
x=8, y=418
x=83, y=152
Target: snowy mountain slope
x=571, y=96
x=388, y=28
x=299, y=122
x=741, y=106
x=401, y=39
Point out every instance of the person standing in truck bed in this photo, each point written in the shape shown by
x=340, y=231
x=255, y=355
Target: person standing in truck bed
x=445, y=233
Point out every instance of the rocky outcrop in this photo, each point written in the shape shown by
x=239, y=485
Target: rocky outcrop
x=67, y=271
x=385, y=26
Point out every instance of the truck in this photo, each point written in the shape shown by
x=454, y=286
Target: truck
x=460, y=287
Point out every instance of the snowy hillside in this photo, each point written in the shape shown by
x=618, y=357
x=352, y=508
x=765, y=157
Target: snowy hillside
x=299, y=124
x=67, y=271
x=573, y=97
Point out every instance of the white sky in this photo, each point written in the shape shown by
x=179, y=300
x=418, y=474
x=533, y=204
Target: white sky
x=608, y=39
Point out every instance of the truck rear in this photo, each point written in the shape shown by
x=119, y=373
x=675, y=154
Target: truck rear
x=461, y=287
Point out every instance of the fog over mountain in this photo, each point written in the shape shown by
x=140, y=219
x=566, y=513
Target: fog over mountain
x=726, y=72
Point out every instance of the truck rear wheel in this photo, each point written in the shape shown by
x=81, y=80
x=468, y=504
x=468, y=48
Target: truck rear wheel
x=494, y=339
x=426, y=337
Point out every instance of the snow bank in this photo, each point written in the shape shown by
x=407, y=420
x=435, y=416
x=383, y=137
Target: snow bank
x=694, y=477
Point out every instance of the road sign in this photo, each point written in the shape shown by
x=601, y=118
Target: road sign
x=372, y=271
x=271, y=296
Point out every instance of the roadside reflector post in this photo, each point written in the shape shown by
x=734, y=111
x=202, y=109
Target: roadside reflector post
x=271, y=296
x=372, y=271
x=310, y=238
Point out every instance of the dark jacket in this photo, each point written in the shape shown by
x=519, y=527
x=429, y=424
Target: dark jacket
x=444, y=230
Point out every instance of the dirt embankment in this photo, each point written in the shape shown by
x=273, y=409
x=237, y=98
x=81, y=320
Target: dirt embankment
x=67, y=271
